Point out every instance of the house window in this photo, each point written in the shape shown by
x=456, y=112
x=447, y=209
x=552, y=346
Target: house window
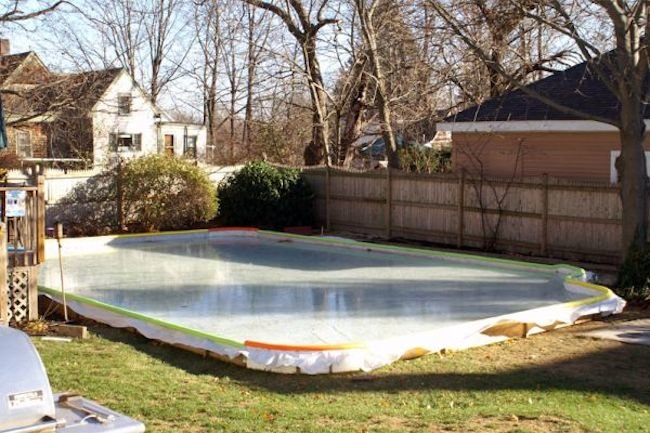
x=189, y=148
x=613, y=173
x=122, y=142
x=23, y=144
x=124, y=104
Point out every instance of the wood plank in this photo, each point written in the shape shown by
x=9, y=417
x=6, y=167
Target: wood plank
x=32, y=294
x=40, y=219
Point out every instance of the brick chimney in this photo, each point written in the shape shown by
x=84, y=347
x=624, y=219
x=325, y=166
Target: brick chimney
x=5, y=48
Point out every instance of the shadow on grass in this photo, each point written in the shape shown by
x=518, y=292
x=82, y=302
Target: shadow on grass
x=621, y=372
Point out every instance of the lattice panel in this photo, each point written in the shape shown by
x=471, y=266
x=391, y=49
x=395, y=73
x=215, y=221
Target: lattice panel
x=19, y=294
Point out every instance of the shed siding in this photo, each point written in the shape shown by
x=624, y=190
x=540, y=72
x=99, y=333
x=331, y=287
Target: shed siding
x=577, y=155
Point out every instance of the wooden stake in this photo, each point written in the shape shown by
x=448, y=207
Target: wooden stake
x=59, y=234
x=4, y=310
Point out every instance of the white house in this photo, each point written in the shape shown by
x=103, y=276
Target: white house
x=127, y=123
x=91, y=115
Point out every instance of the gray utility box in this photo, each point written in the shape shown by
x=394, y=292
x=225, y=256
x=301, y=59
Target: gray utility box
x=27, y=404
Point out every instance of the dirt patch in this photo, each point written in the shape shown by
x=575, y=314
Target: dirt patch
x=566, y=353
x=512, y=424
x=394, y=424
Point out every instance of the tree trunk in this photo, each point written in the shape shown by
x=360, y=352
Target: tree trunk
x=353, y=119
x=383, y=103
x=631, y=166
x=317, y=150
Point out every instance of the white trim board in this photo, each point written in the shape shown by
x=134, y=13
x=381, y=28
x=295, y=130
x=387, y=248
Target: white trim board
x=530, y=126
x=613, y=173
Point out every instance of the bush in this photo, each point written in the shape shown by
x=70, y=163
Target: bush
x=262, y=195
x=634, y=276
x=425, y=160
x=165, y=193
x=158, y=193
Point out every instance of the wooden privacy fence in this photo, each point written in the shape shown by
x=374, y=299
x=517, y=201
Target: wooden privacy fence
x=22, y=248
x=542, y=216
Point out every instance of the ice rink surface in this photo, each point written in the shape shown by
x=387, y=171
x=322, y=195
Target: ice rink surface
x=289, y=292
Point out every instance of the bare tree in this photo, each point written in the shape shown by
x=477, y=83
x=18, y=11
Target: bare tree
x=233, y=72
x=149, y=38
x=624, y=71
x=388, y=79
x=256, y=38
x=207, y=19
x=304, y=21
x=366, y=11
x=524, y=48
x=12, y=11
x=121, y=26
x=163, y=30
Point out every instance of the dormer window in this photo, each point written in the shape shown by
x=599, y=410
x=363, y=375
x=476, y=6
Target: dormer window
x=124, y=104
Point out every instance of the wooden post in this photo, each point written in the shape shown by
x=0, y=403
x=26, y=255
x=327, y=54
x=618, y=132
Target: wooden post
x=544, y=240
x=389, y=203
x=327, y=198
x=40, y=219
x=32, y=293
x=461, y=209
x=4, y=310
x=120, y=196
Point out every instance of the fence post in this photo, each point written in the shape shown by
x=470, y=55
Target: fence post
x=4, y=308
x=544, y=241
x=327, y=198
x=461, y=209
x=40, y=219
x=389, y=203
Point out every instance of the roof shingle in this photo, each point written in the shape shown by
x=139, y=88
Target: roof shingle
x=578, y=87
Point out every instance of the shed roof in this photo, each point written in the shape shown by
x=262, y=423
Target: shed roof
x=578, y=87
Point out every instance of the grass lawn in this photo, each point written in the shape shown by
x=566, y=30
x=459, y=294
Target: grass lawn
x=554, y=382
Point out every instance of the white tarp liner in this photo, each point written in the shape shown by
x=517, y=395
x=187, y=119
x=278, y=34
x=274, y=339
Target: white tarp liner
x=314, y=305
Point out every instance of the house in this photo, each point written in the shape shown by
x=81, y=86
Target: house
x=518, y=135
x=92, y=116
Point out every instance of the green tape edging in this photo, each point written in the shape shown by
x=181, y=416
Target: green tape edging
x=133, y=315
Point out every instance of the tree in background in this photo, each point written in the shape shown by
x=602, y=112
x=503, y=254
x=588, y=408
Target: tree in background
x=13, y=11
x=304, y=21
x=149, y=38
